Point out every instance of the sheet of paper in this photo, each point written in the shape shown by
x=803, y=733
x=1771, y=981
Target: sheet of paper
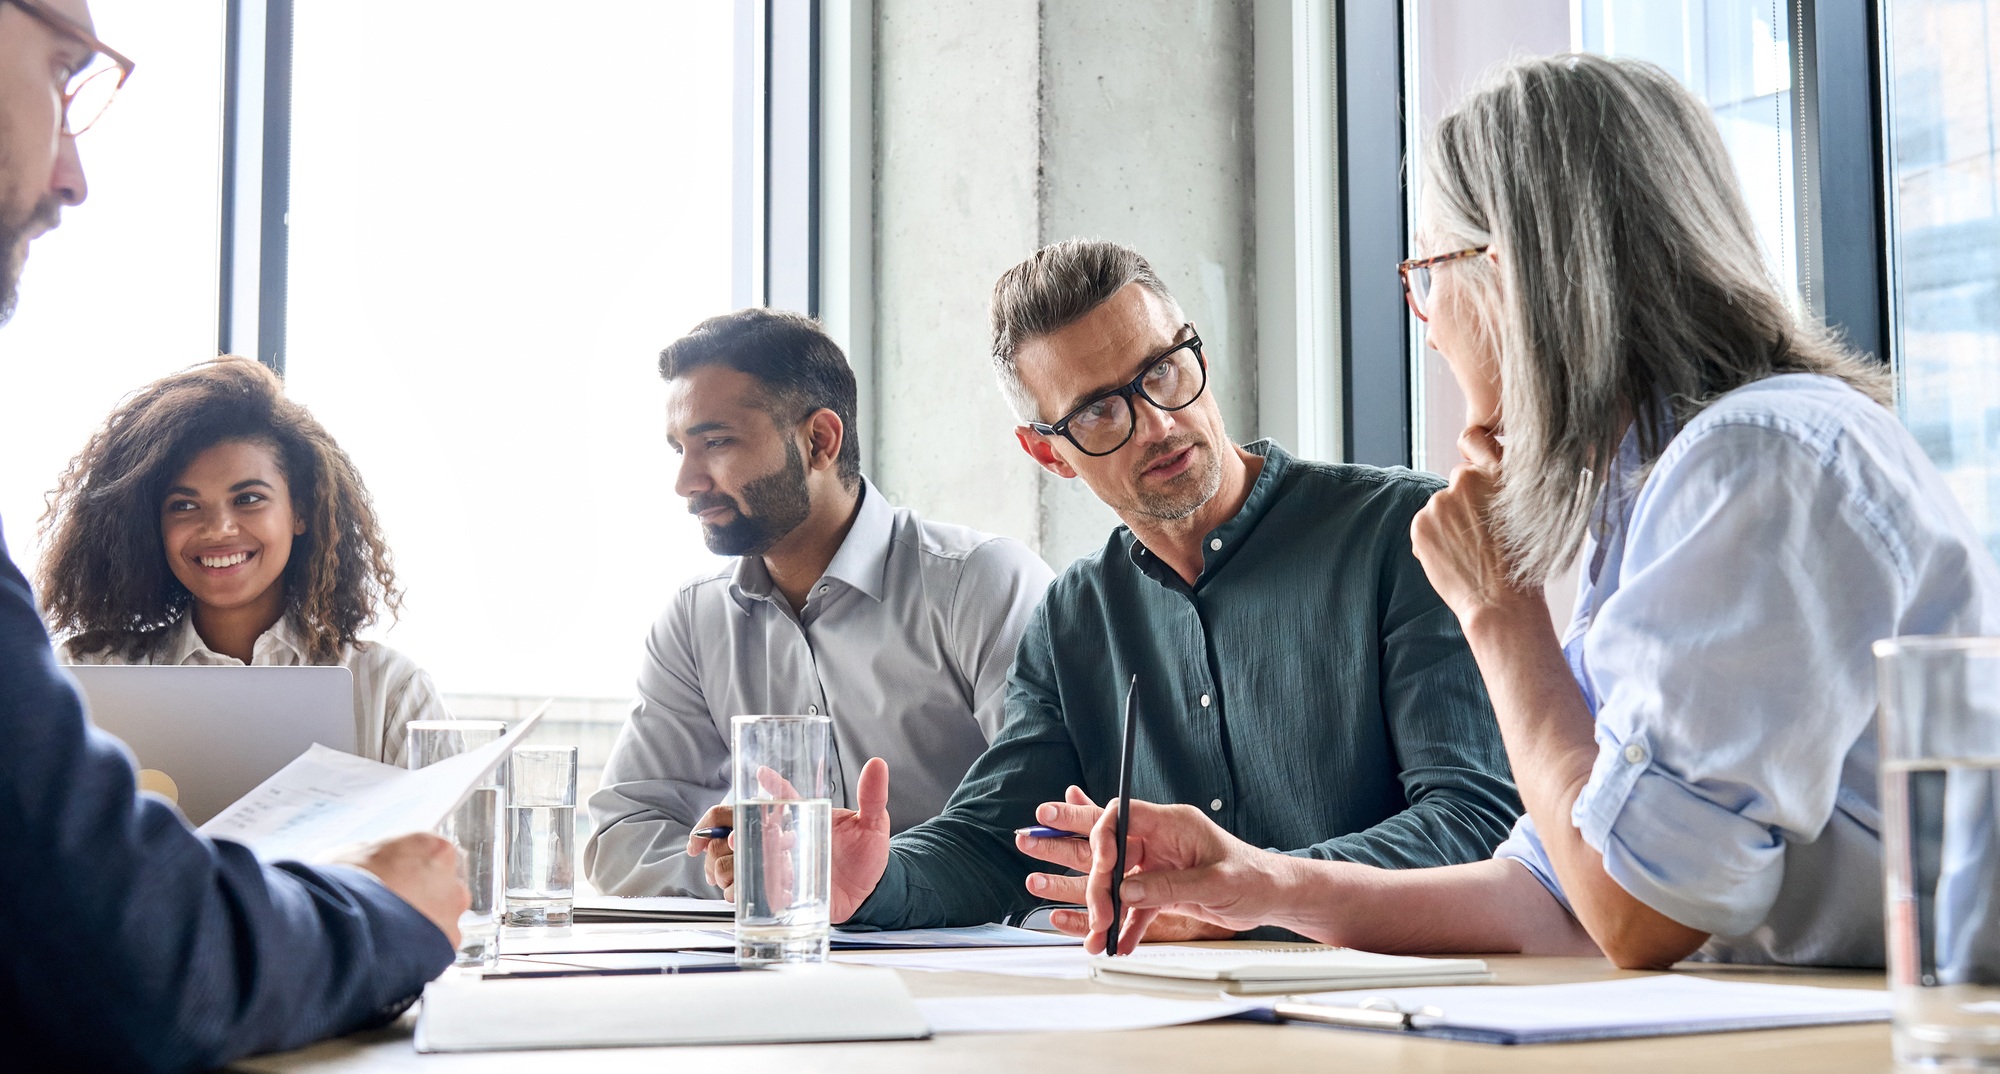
x=326, y=800
x=1057, y=1014
x=970, y=936
x=627, y=936
x=1063, y=963
x=1631, y=1007
x=806, y=1003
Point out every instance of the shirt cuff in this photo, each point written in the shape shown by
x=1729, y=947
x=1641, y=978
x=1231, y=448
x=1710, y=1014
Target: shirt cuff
x=1524, y=845
x=1673, y=847
x=887, y=907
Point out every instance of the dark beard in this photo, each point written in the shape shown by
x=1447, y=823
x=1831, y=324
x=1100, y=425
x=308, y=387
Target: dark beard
x=13, y=240
x=773, y=506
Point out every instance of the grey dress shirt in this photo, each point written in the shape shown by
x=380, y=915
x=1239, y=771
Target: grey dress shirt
x=905, y=641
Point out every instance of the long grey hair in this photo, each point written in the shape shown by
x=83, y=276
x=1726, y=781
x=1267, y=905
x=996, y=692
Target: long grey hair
x=1630, y=286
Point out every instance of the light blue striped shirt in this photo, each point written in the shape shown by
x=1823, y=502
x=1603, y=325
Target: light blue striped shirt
x=1721, y=638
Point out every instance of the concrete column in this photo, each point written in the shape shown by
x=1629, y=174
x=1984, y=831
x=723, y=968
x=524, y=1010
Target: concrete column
x=957, y=156
x=1007, y=124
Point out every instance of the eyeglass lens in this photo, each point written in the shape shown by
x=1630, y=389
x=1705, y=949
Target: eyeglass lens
x=89, y=95
x=1420, y=290
x=1105, y=425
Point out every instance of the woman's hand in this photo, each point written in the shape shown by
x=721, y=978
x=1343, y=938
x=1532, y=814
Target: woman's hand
x=1177, y=862
x=1453, y=536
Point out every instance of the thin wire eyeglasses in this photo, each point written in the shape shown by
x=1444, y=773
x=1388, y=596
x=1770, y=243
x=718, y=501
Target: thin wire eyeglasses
x=1165, y=380
x=91, y=89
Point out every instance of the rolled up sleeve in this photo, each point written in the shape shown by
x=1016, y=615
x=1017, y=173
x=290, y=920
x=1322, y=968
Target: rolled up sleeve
x=1732, y=672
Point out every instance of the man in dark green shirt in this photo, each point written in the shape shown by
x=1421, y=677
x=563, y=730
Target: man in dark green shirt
x=1298, y=679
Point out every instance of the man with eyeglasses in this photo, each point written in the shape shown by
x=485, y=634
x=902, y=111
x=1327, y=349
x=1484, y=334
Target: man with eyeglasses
x=137, y=943
x=1297, y=678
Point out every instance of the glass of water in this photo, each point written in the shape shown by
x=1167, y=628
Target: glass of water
x=1941, y=845
x=475, y=828
x=783, y=825
x=541, y=835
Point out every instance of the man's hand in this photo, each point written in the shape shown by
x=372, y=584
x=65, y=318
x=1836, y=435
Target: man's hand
x=422, y=869
x=719, y=867
x=860, y=844
x=1075, y=854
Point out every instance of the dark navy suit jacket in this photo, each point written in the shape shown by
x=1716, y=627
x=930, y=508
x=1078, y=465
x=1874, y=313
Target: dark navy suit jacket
x=134, y=943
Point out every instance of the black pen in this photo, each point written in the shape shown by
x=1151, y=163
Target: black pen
x=1124, y=811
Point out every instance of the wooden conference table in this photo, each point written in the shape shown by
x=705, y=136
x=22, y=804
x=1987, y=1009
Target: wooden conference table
x=1214, y=1046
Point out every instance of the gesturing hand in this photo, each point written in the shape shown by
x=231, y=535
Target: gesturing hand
x=860, y=846
x=1453, y=535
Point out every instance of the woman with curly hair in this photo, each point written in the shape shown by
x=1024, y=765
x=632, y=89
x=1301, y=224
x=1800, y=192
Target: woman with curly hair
x=213, y=521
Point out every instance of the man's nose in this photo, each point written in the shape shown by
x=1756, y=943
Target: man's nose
x=66, y=182
x=691, y=478
x=1153, y=424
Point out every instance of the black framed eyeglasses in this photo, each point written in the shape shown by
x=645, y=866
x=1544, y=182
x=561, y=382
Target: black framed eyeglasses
x=1105, y=422
x=91, y=88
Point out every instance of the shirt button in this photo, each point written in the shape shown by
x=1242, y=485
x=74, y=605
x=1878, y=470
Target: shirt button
x=1635, y=753
x=812, y=710
x=1204, y=701
x=1215, y=806
x=822, y=589
x=1215, y=545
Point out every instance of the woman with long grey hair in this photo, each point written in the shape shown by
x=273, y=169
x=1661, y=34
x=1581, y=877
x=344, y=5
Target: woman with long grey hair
x=1696, y=751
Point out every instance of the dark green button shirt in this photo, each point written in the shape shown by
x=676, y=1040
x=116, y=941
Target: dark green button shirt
x=1309, y=692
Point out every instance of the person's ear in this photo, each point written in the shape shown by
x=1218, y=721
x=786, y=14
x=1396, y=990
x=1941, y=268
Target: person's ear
x=1043, y=450
x=824, y=436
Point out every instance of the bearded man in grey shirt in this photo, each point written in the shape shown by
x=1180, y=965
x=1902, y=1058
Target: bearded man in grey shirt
x=901, y=630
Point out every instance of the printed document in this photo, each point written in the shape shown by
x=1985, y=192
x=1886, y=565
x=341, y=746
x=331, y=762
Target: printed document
x=327, y=800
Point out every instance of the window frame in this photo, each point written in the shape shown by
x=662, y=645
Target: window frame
x=1840, y=159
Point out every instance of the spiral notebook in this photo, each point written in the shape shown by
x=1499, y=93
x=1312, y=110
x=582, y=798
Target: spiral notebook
x=1276, y=970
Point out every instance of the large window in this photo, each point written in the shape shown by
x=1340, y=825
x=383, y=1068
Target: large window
x=495, y=226
x=1945, y=296
x=1736, y=55
x=124, y=290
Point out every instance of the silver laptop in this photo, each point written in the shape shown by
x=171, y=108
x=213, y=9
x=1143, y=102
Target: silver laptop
x=216, y=733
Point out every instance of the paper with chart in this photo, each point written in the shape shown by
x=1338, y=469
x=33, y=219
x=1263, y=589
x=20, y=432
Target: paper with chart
x=326, y=800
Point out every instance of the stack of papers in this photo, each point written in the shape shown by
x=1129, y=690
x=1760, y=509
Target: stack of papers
x=807, y=1003
x=1295, y=969
x=1663, y=1005
x=606, y=908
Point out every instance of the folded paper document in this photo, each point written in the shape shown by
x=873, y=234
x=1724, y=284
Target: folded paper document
x=326, y=800
x=788, y=1005
x=1661, y=1005
x=1295, y=969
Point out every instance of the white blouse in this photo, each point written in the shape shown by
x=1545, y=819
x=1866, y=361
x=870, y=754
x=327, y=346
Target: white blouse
x=390, y=689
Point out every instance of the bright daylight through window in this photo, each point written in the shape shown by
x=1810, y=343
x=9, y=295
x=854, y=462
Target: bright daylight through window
x=1734, y=54
x=483, y=267
x=1945, y=303
x=124, y=290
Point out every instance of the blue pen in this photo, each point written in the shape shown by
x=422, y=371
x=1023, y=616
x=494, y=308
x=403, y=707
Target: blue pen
x=720, y=831
x=1041, y=831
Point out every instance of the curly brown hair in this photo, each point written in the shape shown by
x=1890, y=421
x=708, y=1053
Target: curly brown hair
x=105, y=579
